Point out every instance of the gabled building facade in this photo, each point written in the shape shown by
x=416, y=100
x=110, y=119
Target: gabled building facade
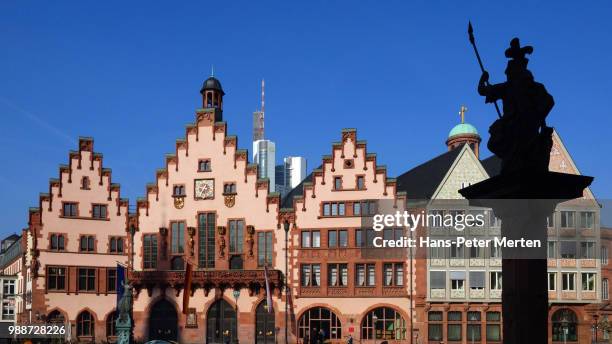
x=207, y=207
x=340, y=284
x=75, y=239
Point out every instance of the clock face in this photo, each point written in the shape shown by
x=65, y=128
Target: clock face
x=204, y=188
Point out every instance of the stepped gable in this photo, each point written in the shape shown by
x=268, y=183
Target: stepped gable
x=349, y=156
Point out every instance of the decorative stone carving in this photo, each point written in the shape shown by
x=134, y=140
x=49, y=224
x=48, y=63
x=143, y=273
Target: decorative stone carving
x=250, y=239
x=230, y=200
x=163, y=233
x=457, y=294
x=179, y=202
x=221, y=231
x=191, y=231
x=438, y=293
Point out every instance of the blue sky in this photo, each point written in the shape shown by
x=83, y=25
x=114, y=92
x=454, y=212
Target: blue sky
x=128, y=74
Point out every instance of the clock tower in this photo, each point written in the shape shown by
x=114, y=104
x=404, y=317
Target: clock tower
x=212, y=96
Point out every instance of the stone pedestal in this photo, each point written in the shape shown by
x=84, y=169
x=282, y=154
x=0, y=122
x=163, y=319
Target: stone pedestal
x=523, y=200
x=124, y=330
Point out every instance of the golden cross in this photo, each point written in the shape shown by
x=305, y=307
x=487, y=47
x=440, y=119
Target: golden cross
x=462, y=113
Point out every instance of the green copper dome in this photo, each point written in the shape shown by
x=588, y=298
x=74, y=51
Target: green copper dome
x=463, y=129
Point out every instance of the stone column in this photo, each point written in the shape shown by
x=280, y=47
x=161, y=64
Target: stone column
x=523, y=200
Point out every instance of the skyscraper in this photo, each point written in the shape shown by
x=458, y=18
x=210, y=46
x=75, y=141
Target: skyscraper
x=264, y=151
x=264, y=154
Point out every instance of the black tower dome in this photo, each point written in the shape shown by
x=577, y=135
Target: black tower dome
x=212, y=95
x=213, y=84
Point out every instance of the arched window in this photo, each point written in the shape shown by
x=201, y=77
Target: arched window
x=320, y=323
x=111, y=320
x=178, y=263
x=56, y=317
x=383, y=323
x=565, y=326
x=85, y=324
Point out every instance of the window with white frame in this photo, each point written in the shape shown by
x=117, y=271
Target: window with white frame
x=475, y=252
x=587, y=250
x=604, y=289
x=567, y=219
x=437, y=279
x=8, y=310
x=436, y=252
x=552, y=281
x=477, y=280
x=495, y=281
x=568, y=249
x=588, y=281
x=604, y=255
x=552, y=250
x=586, y=219
x=8, y=287
x=456, y=252
x=495, y=251
x=457, y=280
x=568, y=280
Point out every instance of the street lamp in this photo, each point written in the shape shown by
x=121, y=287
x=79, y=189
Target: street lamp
x=286, y=227
x=236, y=294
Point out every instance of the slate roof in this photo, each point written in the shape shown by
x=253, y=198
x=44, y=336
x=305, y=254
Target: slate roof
x=492, y=165
x=287, y=201
x=423, y=180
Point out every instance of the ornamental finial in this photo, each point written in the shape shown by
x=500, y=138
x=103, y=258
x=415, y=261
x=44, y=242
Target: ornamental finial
x=462, y=112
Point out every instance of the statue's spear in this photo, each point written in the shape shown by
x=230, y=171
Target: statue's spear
x=471, y=35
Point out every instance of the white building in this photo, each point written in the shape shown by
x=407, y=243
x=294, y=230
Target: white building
x=11, y=281
x=290, y=174
x=295, y=170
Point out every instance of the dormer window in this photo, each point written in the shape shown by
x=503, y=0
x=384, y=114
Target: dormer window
x=85, y=183
x=204, y=165
x=178, y=191
x=229, y=188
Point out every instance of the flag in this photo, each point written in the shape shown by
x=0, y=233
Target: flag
x=187, y=289
x=119, y=282
x=268, y=295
